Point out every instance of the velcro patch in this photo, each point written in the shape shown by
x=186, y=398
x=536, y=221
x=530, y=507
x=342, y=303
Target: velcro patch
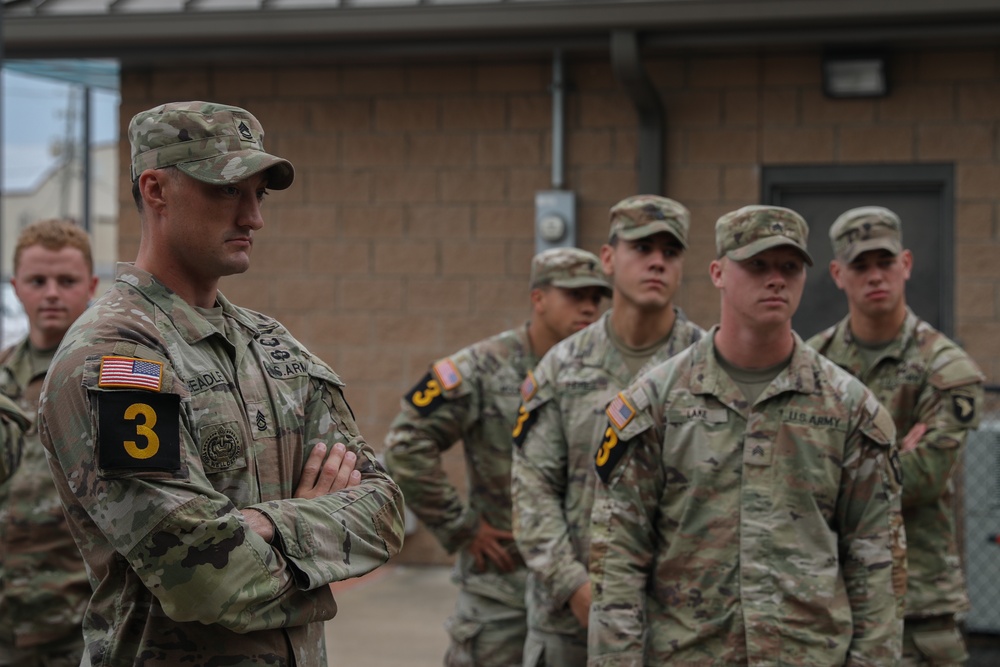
x=447, y=374
x=609, y=454
x=130, y=373
x=138, y=430
x=529, y=387
x=964, y=408
x=620, y=411
x=426, y=395
x=525, y=420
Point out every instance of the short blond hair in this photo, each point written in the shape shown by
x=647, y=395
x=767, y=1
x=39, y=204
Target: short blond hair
x=54, y=234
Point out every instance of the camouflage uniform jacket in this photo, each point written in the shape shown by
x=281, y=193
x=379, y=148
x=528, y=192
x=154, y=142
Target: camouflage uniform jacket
x=43, y=583
x=553, y=477
x=730, y=534
x=922, y=377
x=153, y=482
x=480, y=410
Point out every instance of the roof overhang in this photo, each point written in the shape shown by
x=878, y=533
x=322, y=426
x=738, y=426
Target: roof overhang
x=194, y=31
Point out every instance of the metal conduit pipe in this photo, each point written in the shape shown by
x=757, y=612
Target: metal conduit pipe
x=558, y=119
x=627, y=66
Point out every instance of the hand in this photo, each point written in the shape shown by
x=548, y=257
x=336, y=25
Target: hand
x=579, y=604
x=259, y=523
x=912, y=438
x=320, y=479
x=487, y=544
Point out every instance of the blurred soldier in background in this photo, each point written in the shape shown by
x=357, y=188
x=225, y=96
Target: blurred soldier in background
x=43, y=582
x=473, y=396
x=934, y=392
x=562, y=417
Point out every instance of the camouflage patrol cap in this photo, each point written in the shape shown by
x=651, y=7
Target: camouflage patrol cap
x=866, y=228
x=213, y=143
x=568, y=268
x=644, y=215
x=743, y=233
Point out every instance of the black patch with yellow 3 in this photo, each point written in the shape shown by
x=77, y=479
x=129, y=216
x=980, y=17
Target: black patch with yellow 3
x=609, y=454
x=138, y=430
x=426, y=396
x=525, y=420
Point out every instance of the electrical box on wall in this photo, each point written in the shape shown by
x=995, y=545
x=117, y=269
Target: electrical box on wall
x=555, y=219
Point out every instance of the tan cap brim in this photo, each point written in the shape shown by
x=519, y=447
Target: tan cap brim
x=642, y=232
x=859, y=247
x=239, y=165
x=766, y=243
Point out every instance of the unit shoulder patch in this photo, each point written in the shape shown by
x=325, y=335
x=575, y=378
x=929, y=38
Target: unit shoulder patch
x=425, y=396
x=608, y=454
x=138, y=430
x=525, y=420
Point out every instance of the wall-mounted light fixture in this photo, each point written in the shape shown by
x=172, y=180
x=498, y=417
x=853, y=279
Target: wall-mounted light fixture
x=855, y=75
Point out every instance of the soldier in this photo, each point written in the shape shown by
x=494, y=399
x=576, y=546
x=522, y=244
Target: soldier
x=199, y=449
x=473, y=396
x=43, y=583
x=562, y=416
x=745, y=510
x=933, y=391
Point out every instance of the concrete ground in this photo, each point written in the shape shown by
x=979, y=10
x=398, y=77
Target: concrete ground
x=391, y=618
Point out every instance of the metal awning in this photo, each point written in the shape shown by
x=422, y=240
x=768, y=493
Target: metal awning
x=137, y=31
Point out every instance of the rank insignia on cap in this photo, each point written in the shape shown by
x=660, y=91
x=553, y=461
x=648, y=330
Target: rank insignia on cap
x=447, y=374
x=528, y=387
x=620, y=412
x=131, y=373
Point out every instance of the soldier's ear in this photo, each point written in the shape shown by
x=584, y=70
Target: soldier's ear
x=835, y=268
x=152, y=186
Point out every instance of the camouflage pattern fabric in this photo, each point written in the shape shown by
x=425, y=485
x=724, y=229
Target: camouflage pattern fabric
x=743, y=233
x=44, y=587
x=479, y=411
x=553, y=474
x=863, y=229
x=13, y=424
x=213, y=143
x=728, y=534
x=153, y=482
x=922, y=377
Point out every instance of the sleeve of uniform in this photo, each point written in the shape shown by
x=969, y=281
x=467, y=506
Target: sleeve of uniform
x=189, y=545
x=425, y=428
x=949, y=406
x=622, y=537
x=869, y=523
x=13, y=424
x=538, y=486
x=344, y=534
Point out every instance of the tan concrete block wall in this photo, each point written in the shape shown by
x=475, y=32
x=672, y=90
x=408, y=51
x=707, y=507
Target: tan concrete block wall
x=409, y=230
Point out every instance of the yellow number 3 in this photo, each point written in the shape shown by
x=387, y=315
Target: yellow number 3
x=145, y=429
x=422, y=399
x=610, y=440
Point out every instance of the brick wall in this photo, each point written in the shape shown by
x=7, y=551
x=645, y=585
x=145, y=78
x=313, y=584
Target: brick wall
x=408, y=231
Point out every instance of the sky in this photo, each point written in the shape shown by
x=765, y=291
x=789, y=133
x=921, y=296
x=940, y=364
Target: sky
x=34, y=113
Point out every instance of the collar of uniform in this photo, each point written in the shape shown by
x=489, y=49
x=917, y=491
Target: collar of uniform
x=708, y=377
x=843, y=349
x=188, y=321
x=528, y=352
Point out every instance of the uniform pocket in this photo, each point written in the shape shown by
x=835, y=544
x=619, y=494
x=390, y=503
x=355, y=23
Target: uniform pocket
x=463, y=633
x=941, y=647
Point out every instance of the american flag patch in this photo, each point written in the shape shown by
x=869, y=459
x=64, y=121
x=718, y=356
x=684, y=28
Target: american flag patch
x=447, y=374
x=528, y=387
x=128, y=372
x=620, y=412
